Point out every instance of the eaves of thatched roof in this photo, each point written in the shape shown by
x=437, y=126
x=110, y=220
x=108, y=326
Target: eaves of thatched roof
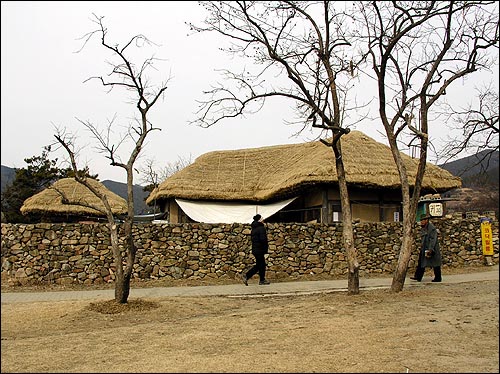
x=267, y=173
x=78, y=197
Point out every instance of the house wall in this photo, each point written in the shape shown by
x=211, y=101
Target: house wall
x=81, y=253
x=391, y=213
x=366, y=212
x=368, y=205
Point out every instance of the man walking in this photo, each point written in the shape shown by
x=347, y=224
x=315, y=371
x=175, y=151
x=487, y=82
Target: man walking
x=430, y=253
x=260, y=247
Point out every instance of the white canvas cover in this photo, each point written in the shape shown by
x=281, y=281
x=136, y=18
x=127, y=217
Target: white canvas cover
x=228, y=212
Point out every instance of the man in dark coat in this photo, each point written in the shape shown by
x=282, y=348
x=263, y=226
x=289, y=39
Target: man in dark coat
x=430, y=253
x=260, y=247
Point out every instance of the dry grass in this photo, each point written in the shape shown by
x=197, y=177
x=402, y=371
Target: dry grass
x=113, y=307
x=429, y=328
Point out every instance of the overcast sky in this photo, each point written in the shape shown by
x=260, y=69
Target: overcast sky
x=43, y=83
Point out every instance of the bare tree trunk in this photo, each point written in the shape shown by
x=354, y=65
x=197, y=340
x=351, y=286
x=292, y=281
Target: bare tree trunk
x=398, y=280
x=122, y=285
x=121, y=293
x=122, y=289
x=347, y=229
x=410, y=203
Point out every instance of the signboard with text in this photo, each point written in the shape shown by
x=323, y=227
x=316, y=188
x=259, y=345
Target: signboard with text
x=486, y=238
x=436, y=209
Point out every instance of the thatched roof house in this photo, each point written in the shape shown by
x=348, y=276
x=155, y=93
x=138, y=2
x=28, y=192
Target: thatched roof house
x=69, y=200
x=270, y=174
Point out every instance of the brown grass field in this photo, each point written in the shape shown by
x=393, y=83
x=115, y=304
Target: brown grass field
x=434, y=328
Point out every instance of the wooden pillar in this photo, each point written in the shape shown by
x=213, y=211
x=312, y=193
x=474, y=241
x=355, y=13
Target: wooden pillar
x=174, y=213
x=380, y=207
x=325, y=216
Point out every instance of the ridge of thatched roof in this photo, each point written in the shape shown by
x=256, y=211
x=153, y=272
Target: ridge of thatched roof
x=50, y=200
x=258, y=174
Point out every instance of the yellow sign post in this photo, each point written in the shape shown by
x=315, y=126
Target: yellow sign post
x=486, y=237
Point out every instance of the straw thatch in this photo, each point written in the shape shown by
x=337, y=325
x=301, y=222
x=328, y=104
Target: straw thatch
x=79, y=199
x=266, y=173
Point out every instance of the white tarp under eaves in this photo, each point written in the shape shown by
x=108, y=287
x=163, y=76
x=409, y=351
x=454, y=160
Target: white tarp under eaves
x=228, y=212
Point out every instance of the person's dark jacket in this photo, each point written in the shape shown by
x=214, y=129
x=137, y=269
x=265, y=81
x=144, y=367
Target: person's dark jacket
x=430, y=241
x=260, y=245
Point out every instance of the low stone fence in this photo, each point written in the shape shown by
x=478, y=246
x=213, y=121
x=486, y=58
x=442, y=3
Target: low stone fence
x=81, y=253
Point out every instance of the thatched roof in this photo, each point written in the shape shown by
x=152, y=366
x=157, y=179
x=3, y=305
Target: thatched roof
x=50, y=200
x=259, y=174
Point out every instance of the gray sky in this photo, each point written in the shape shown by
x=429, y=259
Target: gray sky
x=42, y=84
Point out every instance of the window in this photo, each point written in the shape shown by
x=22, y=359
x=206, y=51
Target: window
x=336, y=212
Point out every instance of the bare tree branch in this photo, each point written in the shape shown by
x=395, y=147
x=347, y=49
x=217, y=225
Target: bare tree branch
x=418, y=50
x=124, y=74
x=478, y=124
x=301, y=52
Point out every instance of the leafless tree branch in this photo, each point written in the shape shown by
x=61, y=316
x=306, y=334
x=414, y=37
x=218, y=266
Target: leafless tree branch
x=124, y=74
x=418, y=50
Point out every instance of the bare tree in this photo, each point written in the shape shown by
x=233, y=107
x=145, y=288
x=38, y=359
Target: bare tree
x=301, y=52
x=151, y=176
x=478, y=124
x=418, y=50
x=124, y=74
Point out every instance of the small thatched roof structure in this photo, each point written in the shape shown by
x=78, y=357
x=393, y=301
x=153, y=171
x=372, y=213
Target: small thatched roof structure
x=79, y=199
x=275, y=172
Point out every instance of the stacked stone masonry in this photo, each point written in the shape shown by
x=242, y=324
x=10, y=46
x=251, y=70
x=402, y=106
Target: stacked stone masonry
x=81, y=253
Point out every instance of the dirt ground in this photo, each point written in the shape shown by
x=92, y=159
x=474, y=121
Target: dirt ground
x=429, y=328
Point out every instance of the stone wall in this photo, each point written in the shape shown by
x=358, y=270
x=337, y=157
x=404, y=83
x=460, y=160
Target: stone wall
x=81, y=253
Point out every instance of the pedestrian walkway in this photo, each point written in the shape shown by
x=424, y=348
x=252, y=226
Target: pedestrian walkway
x=240, y=290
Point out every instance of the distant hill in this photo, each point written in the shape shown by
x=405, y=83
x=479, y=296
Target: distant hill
x=8, y=174
x=480, y=186
x=140, y=196
x=476, y=170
